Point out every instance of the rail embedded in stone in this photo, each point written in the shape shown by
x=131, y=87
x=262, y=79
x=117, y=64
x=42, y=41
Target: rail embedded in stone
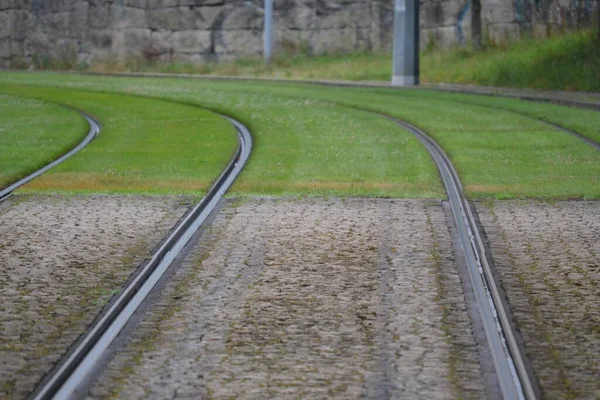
x=513, y=377
x=70, y=375
x=93, y=132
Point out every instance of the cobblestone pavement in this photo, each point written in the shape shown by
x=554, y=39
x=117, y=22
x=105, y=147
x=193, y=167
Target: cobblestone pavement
x=547, y=257
x=61, y=259
x=311, y=298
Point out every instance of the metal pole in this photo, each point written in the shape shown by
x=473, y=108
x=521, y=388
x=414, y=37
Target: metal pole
x=268, y=31
x=406, y=43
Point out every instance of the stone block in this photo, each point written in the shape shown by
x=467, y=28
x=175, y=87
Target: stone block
x=182, y=18
x=101, y=38
x=5, y=48
x=100, y=15
x=191, y=41
x=9, y=4
x=5, y=25
x=63, y=24
x=244, y=43
x=504, y=32
x=333, y=40
x=497, y=12
x=297, y=17
x=162, y=40
x=184, y=3
x=244, y=17
x=141, y=4
x=130, y=42
x=441, y=37
x=128, y=17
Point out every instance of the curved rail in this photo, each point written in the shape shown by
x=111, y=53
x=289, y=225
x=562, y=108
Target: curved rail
x=554, y=125
x=67, y=377
x=546, y=97
x=594, y=106
x=93, y=132
x=510, y=368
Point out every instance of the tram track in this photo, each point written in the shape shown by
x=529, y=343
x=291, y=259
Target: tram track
x=70, y=373
x=513, y=378
x=512, y=374
x=93, y=132
x=466, y=90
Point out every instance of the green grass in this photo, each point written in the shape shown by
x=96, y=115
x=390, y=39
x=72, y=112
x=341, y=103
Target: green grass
x=567, y=62
x=145, y=145
x=585, y=122
x=34, y=133
x=497, y=153
x=301, y=147
x=307, y=144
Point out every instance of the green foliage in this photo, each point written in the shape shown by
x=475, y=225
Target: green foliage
x=569, y=62
x=34, y=133
x=307, y=144
x=146, y=145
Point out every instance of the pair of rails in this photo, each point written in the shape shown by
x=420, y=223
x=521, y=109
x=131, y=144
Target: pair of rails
x=71, y=375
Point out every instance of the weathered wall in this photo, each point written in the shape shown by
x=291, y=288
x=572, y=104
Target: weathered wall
x=191, y=30
x=87, y=31
x=448, y=22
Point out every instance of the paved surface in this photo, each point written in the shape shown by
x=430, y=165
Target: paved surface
x=308, y=298
x=547, y=258
x=61, y=259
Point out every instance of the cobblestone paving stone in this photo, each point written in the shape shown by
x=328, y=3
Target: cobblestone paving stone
x=311, y=298
x=61, y=259
x=547, y=257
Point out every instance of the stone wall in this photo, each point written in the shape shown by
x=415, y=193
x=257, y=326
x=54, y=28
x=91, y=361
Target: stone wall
x=448, y=22
x=86, y=31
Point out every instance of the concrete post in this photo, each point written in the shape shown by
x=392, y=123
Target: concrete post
x=268, y=31
x=406, y=43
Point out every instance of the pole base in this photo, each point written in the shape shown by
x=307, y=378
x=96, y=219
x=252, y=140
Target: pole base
x=404, y=80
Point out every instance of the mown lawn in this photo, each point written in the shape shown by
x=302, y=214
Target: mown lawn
x=301, y=147
x=307, y=144
x=145, y=146
x=34, y=133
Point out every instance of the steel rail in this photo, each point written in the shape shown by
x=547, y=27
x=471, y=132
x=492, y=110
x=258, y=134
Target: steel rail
x=93, y=132
x=594, y=106
x=67, y=378
x=513, y=377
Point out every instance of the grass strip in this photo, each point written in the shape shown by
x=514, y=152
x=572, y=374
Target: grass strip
x=306, y=147
x=585, y=122
x=34, y=133
x=498, y=153
x=146, y=145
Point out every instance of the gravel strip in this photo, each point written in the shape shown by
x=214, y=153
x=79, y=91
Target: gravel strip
x=313, y=298
x=61, y=260
x=547, y=258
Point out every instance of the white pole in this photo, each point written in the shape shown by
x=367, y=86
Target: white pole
x=268, y=31
x=406, y=43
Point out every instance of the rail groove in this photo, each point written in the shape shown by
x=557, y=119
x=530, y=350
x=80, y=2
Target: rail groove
x=93, y=132
x=513, y=378
x=64, y=381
